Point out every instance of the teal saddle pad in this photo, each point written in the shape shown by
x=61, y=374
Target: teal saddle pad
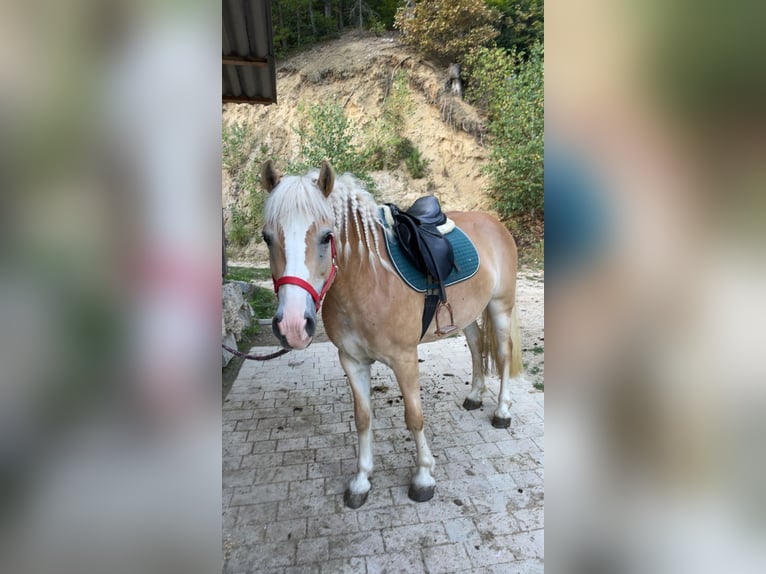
x=466, y=260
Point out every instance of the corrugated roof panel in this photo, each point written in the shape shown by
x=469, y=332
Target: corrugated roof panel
x=249, y=69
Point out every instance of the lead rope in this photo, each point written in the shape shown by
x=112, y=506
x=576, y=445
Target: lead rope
x=273, y=355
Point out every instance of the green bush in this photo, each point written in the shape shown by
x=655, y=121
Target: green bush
x=239, y=227
x=383, y=149
x=242, y=161
x=326, y=133
x=237, y=144
x=264, y=302
x=386, y=148
x=511, y=90
x=416, y=164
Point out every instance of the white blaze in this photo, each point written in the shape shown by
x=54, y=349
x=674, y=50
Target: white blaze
x=292, y=297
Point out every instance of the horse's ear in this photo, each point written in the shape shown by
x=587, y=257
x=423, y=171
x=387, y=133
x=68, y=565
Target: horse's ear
x=269, y=176
x=326, y=178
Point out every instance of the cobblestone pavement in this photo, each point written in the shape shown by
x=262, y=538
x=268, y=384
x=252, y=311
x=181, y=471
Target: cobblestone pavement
x=289, y=449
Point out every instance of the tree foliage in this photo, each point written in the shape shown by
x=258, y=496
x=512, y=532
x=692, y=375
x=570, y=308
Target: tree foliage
x=301, y=23
x=521, y=24
x=447, y=29
x=511, y=89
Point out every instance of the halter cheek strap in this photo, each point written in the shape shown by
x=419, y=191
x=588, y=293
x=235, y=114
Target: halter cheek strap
x=302, y=283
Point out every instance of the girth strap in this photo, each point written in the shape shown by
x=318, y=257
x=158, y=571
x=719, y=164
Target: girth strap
x=432, y=303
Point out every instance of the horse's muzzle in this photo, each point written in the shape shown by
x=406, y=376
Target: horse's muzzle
x=294, y=334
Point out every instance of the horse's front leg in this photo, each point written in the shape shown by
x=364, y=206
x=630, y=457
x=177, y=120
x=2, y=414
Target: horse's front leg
x=406, y=370
x=359, y=377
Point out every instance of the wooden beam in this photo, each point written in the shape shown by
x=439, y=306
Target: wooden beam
x=246, y=100
x=239, y=61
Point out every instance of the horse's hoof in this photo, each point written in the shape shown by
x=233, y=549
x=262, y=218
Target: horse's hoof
x=421, y=494
x=354, y=501
x=501, y=423
x=471, y=405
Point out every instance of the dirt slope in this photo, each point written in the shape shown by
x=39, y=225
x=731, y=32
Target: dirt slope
x=357, y=71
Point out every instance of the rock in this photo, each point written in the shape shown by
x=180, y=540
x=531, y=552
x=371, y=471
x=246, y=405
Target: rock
x=230, y=342
x=236, y=317
x=245, y=287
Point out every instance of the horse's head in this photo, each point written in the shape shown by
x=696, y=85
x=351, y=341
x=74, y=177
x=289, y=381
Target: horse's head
x=298, y=229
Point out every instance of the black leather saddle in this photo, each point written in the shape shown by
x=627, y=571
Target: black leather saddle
x=419, y=238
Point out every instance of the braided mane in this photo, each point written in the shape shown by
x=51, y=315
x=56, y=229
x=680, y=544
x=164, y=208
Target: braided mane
x=354, y=206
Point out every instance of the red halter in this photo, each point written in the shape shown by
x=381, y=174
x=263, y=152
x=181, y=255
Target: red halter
x=317, y=297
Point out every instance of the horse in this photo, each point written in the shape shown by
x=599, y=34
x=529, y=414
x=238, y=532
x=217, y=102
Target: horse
x=326, y=250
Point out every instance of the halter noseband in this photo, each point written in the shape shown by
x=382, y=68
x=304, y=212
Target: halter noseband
x=317, y=297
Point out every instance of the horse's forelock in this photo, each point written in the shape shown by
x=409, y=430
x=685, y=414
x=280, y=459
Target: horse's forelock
x=296, y=196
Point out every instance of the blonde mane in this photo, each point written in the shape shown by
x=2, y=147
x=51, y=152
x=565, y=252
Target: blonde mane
x=353, y=205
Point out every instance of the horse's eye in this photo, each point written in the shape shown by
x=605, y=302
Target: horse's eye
x=326, y=238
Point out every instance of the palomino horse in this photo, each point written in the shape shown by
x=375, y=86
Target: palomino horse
x=370, y=314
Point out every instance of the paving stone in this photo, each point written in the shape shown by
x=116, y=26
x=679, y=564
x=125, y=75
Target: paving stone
x=387, y=517
x=271, y=474
x=266, y=459
x=313, y=551
x=240, y=477
x=276, y=531
x=259, y=493
x=262, y=446
x=356, y=544
x=518, y=567
x=419, y=535
x=488, y=552
x=461, y=530
x=344, y=566
x=445, y=559
x=410, y=562
x=333, y=524
x=314, y=487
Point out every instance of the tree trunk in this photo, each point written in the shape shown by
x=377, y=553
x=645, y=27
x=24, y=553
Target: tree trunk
x=311, y=18
x=282, y=25
x=327, y=9
x=454, y=76
x=361, y=22
x=340, y=15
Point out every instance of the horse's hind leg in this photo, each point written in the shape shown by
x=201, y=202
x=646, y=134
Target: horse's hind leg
x=359, y=379
x=407, y=375
x=505, y=322
x=474, y=338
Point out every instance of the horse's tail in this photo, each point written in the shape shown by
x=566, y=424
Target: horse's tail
x=489, y=346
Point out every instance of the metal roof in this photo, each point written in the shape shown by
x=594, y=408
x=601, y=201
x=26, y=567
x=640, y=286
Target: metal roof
x=249, y=74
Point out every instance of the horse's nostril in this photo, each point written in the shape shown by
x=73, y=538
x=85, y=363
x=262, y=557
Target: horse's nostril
x=311, y=324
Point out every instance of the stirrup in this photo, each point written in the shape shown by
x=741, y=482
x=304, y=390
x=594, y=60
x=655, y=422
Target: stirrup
x=447, y=328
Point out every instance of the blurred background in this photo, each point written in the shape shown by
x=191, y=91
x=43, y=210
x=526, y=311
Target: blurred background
x=655, y=180
x=110, y=455
x=110, y=158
